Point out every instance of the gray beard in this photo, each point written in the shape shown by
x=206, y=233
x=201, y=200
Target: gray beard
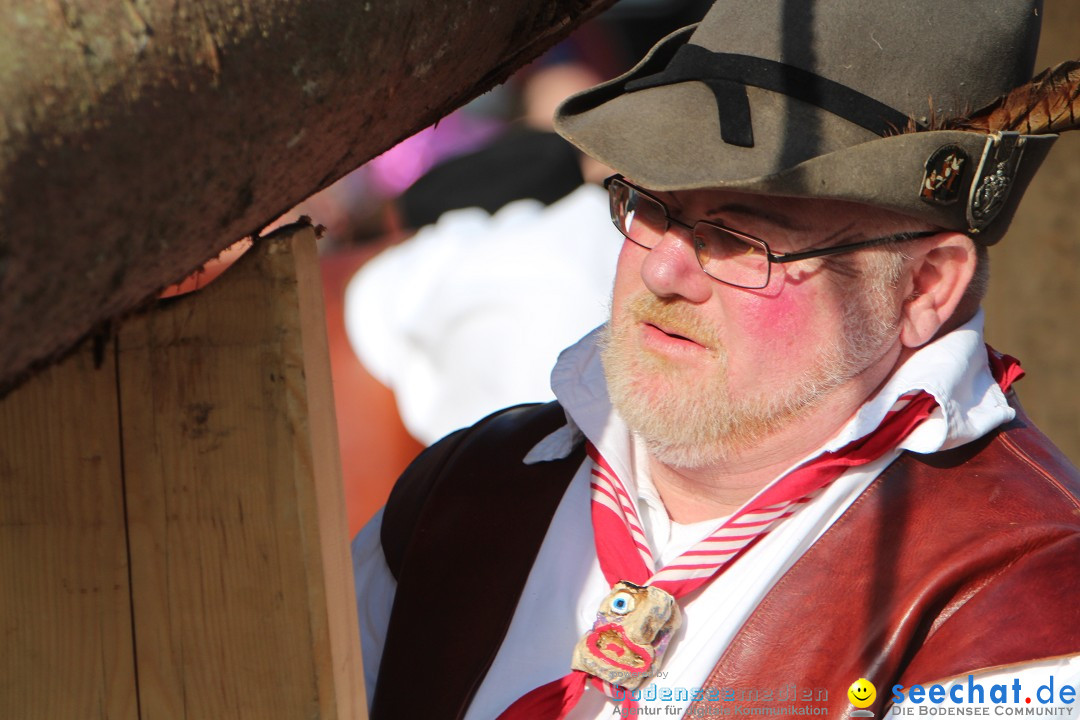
x=690, y=421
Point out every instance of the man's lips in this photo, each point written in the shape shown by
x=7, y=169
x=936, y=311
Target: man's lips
x=661, y=332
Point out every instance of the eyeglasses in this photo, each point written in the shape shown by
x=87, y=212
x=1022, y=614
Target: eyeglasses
x=727, y=255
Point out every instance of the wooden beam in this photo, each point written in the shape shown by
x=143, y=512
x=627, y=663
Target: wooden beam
x=242, y=586
x=140, y=138
x=65, y=607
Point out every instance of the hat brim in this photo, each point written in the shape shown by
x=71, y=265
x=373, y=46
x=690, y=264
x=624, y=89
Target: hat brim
x=668, y=138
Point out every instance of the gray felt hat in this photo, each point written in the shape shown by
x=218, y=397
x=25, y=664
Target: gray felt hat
x=811, y=98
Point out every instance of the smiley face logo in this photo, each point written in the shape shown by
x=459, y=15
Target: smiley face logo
x=862, y=693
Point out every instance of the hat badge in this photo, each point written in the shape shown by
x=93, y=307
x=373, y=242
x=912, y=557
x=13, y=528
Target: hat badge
x=944, y=172
x=994, y=179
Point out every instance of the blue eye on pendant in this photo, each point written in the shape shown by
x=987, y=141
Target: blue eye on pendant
x=622, y=603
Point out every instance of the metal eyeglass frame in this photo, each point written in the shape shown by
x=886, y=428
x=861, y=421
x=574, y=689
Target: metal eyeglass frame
x=773, y=258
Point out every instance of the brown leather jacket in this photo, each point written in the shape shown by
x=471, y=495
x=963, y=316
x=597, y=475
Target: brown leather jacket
x=947, y=564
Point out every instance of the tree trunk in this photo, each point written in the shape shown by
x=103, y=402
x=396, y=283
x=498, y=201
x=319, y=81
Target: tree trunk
x=140, y=137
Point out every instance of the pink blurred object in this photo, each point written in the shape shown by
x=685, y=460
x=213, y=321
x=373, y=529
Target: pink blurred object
x=457, y=133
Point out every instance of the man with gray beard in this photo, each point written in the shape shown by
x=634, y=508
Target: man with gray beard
x=788, y=464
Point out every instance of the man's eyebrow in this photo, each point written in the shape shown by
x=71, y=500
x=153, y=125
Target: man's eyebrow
x=778, y=219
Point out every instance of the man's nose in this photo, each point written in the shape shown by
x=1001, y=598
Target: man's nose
x=671, y=268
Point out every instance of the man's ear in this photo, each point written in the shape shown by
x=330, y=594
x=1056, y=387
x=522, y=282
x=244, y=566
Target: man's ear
x=939, y=274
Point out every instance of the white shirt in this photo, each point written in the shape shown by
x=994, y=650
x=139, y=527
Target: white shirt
x=469, y=315
x=552, y=615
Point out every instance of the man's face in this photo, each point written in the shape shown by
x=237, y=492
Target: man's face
x=702, y=370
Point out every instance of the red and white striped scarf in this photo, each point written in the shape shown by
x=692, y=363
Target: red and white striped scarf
x=624, y=552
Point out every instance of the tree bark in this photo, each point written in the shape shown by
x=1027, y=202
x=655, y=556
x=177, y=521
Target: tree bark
x=138, y=138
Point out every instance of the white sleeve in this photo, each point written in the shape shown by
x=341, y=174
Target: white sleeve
x=375, y=589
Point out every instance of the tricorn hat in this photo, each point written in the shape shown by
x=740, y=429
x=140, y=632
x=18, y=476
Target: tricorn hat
x=830, y=99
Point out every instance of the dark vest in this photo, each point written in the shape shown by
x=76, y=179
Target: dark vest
x=947, y=564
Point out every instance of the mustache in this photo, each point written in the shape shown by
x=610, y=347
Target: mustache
x=675, y=317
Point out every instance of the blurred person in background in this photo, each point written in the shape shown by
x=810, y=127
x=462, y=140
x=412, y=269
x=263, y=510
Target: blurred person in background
x=506, y=232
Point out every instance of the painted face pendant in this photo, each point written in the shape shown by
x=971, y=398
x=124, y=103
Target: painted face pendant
x=632, y=630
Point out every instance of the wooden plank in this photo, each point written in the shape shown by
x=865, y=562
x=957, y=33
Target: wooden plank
x=330, y=507
x=65, y=607
x=240, y=571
